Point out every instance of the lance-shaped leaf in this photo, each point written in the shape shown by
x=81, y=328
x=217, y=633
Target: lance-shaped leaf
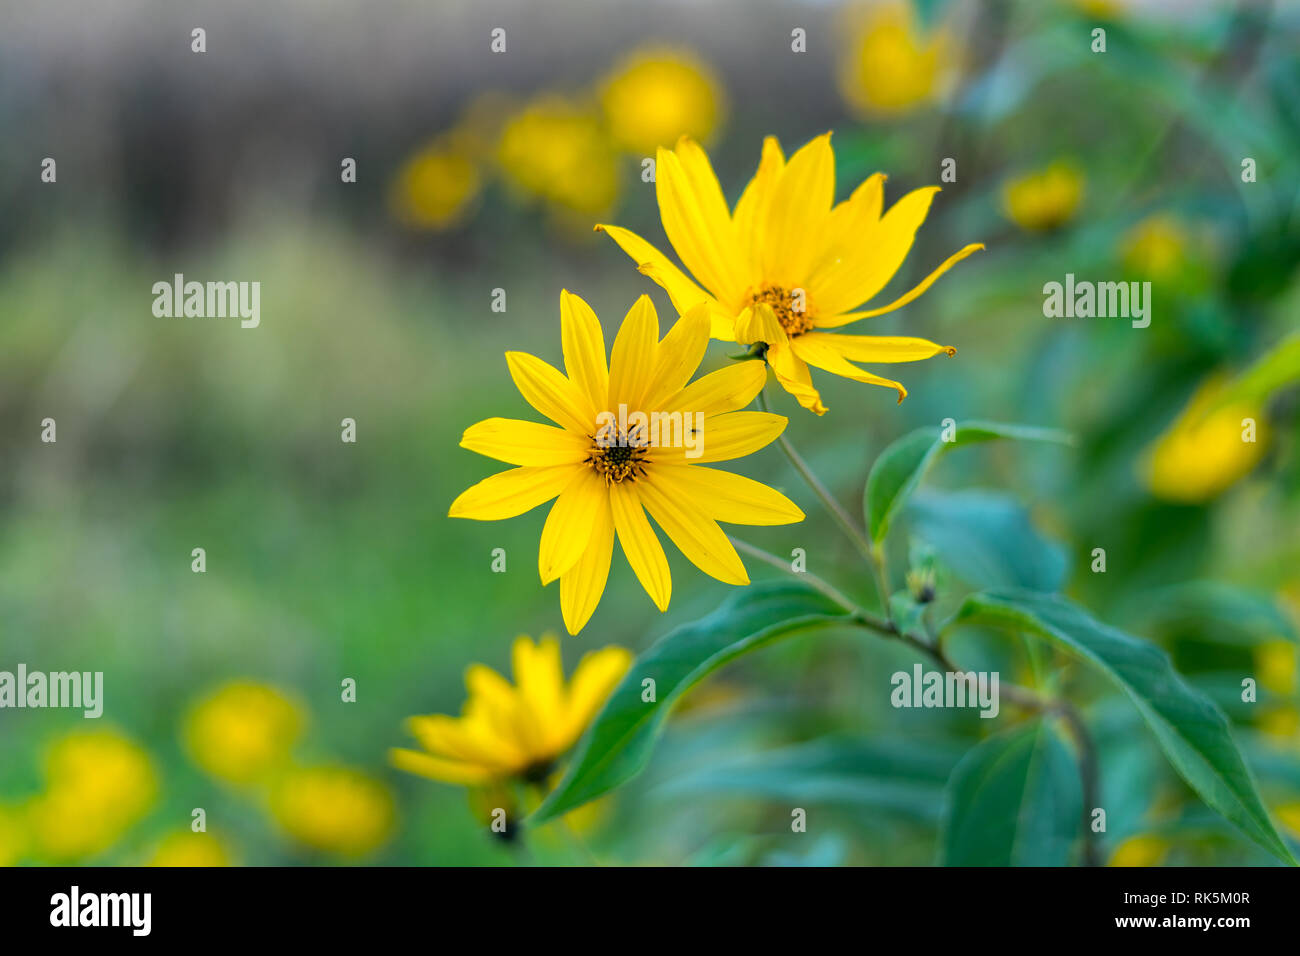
x=1014, y=800
x=1191, y=730
x=900, y=467
x=618, y=744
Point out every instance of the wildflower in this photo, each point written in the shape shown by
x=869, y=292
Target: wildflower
x=656, y=95
x=1275, y=662
x=98, y=785
x=555, y=150
x=436, y=187
x=515, y=732
x=1156, y=248
x=333, y=809
x=1204, y=451
x=606, y=468
x=893, y=67
x=242, y=731
x=1044, y=200
x=189, y=849
x=785, y=267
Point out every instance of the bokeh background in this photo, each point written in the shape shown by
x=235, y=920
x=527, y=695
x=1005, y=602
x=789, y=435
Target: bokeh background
x=479, y=171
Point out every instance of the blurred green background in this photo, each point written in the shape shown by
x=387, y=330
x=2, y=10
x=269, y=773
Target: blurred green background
x=328, y=560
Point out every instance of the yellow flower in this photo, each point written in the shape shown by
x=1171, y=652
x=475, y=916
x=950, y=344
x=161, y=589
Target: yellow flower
x=243, y=731
x=190, y=849
x=436, y=187
x=1156, y=248
x=1145, y=849
x=656, y=95
x=556, y=150
x=515, y=732
x=785, y=266
x=1289, y=816
x=633, y=437
x=335, y=809
x=893, y=67
x=98, y=784
x=1275, y=662
x=1046, y=199
x=1203, y=452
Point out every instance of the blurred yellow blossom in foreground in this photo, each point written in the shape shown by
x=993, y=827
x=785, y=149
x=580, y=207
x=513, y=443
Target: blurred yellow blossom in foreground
x=555, y=150
x=98, y=784
x=187, y=848
x=656, y=95
x=334, y=809
x=1203, y=452
x=892, y=66
x=1045, y=199
x=243, y=731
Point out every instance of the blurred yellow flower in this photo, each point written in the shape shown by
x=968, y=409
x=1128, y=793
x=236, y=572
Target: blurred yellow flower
x=1275, y=663
x=98, y=784
x=656, y=95
x=436, y=187
x=13, y=835
x=787, y=265
x=618, y=454
x=892, y=66
x=1289, y=816
x=243, y=731
x=1045, y=199
x=515, y=731
x=1142, y=850
x=1204, y=452
x=1156, y=248
x=334, y=809
x=190, y=849
x=556, y=150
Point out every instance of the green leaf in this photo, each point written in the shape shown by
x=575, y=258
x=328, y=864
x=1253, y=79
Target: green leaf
x=900, y=467
x=1220, y=612
x=1191, y=730
x=1276, y=370
x=988, y=540
x=906, y=779
x=1014, y=800
x=617, y=745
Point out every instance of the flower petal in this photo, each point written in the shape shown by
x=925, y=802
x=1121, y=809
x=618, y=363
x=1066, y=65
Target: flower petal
x=439, y=768
x=583, y=584
x=750, y=216
x=545, y=388
x=877, y=348
x=796, y=221
x=725, y=390
x=570, y=525
x=722, y=438
x=728, y=497
x=850, y=221
x=525, y=443
x=653, y=263
x=697, y=221
x=597, y=675
x=678, y=355
x=640, y=543
x=825, y=357
x=510, y=493
x=759, y=323
x=793, y=376
x=696, y=535
x=925, y=283
x=632, y=363
x=584, y=348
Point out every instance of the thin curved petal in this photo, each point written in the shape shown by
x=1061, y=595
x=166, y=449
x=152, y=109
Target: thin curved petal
x=583, y=584
x=727, y=497
x=678, y=355
x=796, y=220
x=439, y=768
x=545, y=388
x=571, y=523
x=877, y=348
x=640, y=544
x=584, y=348
x=725, y=390
x=696, y=535
x=697, y=221
x=755, y=202
x=722, y=438
x=793, y=376
x=819, y=355
x=510, y=493
x=925, y=283
x=632, y=363
x=519, y=442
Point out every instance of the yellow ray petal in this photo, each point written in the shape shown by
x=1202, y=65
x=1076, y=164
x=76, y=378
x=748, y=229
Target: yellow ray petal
x=539, y=675
x=678, y=356
x=597, y=675
x=725, y=390
x=792, y=375
x=545, y=388
x=754, y=204
x=632, y=363
x=653, y=263
x=850, y=221
x=796, y=222
x=571, y=523
x=866, y=266
x=584, y=348
x=822, y=356
x=759, y=323
x=461, y=739
x=583, y=584
x=438, y=768
x=696, y=220
x=727, y=497
x=640, y=544
x=525, y=443
x=696, y=534
x=722, y=438
x=877, y=348
x=925, y=283
x=510, y=493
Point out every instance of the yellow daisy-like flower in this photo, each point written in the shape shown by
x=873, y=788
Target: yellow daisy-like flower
x=786, y=265
x=334, y=809
x=242, y=731
x=633, y=437
x=893, y=66
x=515, y=732
x=656, y=95
x=1204, y=452
x=1044, y=200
